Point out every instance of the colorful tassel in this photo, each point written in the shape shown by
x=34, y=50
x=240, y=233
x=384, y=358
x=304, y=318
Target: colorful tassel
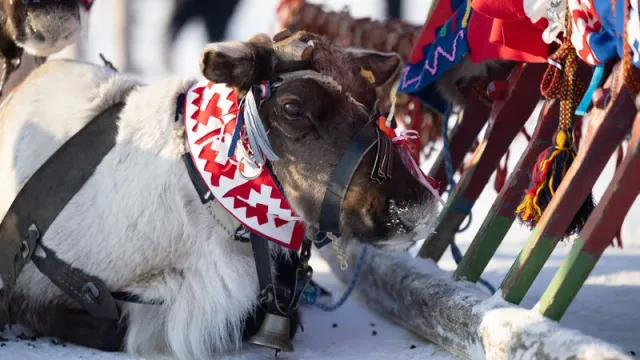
x=559, y=82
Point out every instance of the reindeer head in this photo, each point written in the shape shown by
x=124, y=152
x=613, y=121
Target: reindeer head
x=42, y=27
x=319, y=101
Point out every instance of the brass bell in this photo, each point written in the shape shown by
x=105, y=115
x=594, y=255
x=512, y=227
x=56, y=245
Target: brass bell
x=274, y=333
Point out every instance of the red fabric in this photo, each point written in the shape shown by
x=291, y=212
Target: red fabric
x=516, y=36
x=87, y=4
x=510, y=10
x=491, y=39
x=504, y=24
x=245, y=189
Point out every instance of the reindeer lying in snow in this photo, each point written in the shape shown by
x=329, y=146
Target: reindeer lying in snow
x=138, y=223
x=39, y=29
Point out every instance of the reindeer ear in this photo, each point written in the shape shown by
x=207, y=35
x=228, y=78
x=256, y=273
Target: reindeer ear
x=238, y=64
x=381, y=69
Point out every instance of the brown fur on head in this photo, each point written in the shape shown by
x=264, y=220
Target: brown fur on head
x=316, y=106
x=41, y=28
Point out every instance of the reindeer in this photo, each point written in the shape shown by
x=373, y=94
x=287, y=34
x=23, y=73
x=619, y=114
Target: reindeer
x=32, y=30
x=139, y=225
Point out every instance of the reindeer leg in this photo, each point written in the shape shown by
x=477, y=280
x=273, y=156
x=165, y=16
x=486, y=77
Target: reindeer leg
x=503, y=211
x=72, y=325
x=507, y=118
x=609, y=127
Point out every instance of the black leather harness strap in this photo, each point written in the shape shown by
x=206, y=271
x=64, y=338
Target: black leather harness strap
x=262, y=258
x=360, y=145
x=42, y=199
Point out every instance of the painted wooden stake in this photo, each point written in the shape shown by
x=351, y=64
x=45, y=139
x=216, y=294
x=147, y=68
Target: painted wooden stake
x=597, y=234
x=502, y=213
x=507, y=118
x=609, y=129
x=475, y=115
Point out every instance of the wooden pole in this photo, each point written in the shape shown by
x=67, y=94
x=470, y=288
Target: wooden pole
x=457, y=315
x=503, y=211
x=598, y=232
x=474, y=116
x=507, y=118
x=610, y=126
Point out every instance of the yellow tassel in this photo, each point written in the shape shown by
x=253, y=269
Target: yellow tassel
x=546, y=177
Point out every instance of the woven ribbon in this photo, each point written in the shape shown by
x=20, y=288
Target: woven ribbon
x=559, y=82
x=629, y=71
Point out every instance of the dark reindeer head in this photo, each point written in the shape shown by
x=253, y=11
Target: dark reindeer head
x=42, y=27
x=318, y=102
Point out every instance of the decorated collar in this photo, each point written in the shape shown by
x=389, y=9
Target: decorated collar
x=226, y=141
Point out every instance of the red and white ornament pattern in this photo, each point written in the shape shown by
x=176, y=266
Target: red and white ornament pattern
x=246, y=190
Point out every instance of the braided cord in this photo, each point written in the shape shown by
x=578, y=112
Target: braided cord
x=630, y=72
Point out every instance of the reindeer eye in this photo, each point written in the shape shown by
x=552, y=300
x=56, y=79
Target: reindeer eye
x=293, y=108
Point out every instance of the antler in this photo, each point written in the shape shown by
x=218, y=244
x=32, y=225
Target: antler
x=288, y=47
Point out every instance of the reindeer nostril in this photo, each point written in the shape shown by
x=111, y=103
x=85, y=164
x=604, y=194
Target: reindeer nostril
x=397, y=217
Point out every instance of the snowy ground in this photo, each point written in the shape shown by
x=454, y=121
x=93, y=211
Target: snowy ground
x=606, y=307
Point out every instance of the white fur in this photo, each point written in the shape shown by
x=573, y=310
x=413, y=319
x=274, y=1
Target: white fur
x=233, y=49
x=59, y=26
x=137, y=223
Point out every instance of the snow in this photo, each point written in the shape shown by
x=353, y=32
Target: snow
x=606, y=307
x=320, y=340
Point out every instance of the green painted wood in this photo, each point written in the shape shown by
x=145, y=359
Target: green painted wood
x=527, y=266
x=507, y=118
x=567, y=282
x=597, y=234
x=502, y=213
x=597, y=148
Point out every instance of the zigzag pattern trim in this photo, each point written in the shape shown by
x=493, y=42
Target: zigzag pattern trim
x=433, y=69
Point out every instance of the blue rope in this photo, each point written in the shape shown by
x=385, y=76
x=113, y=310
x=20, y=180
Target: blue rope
x=236, y=134
x=310, y=295
x=448, y=166
x=596, y=79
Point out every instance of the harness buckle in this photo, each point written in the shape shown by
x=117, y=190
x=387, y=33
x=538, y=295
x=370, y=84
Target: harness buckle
x=33, y=235
x=91, y=292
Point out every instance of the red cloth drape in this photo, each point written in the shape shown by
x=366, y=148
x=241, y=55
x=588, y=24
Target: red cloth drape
x=500, y=29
